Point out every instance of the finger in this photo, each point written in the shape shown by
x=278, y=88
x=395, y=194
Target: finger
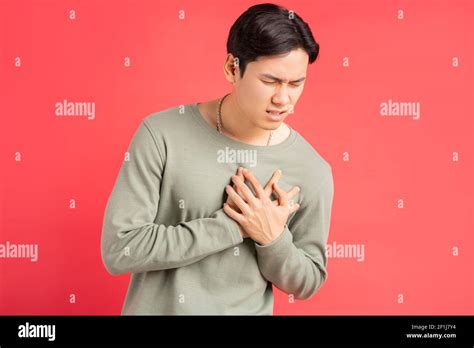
x=241, y=176
x=244, y=190
x=290, y=194
x=240, y=173
x=232, y=204
x=293, y=192
x=269, y=186
x=232, y=213
x=293, y=206
x=237, y=199
x=256, y=185
x=282, y=199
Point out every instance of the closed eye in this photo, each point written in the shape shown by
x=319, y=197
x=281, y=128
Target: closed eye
x=273, y=82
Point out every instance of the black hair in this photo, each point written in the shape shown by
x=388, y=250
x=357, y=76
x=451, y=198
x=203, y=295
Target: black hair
x=266, y=30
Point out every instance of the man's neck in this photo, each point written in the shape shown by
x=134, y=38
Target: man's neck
x=240, y=128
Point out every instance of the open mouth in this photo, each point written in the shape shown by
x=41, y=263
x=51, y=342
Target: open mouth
x=276, y=116
x=275, y=113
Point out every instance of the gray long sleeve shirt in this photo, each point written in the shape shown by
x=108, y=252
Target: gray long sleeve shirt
x=164, y=221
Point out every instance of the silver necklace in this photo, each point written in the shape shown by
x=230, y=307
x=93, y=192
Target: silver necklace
x=219, y=124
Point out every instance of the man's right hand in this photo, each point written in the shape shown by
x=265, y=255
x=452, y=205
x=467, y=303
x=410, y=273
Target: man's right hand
x=268, y=191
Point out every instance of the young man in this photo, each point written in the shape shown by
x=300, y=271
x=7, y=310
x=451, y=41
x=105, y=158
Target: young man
x=199, y=239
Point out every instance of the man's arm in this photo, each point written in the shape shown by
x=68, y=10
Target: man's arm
x=131, y=241
x=296, y=261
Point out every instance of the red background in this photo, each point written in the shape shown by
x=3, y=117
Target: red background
x=408, y=251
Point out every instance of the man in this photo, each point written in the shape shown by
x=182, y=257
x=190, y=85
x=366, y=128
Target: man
x=199, y=239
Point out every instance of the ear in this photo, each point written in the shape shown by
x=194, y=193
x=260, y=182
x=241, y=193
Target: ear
x=231, y=68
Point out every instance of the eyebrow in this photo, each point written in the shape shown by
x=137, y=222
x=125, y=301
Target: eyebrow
x=268, y=76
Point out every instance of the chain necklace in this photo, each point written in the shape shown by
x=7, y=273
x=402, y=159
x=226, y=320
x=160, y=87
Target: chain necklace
x=219, y=116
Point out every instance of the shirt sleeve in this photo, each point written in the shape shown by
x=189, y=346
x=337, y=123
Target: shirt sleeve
x=131, y=241
x=296, y=261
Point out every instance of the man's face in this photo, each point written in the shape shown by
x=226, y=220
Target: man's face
x=271, y=83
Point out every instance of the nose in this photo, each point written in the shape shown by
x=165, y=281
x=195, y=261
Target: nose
x=281, y=96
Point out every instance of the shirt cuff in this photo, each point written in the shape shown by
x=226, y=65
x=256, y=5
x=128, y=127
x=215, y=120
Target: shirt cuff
x=232, y=226
x=280, y=243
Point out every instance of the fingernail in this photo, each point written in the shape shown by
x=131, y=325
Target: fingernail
x=279, y=171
